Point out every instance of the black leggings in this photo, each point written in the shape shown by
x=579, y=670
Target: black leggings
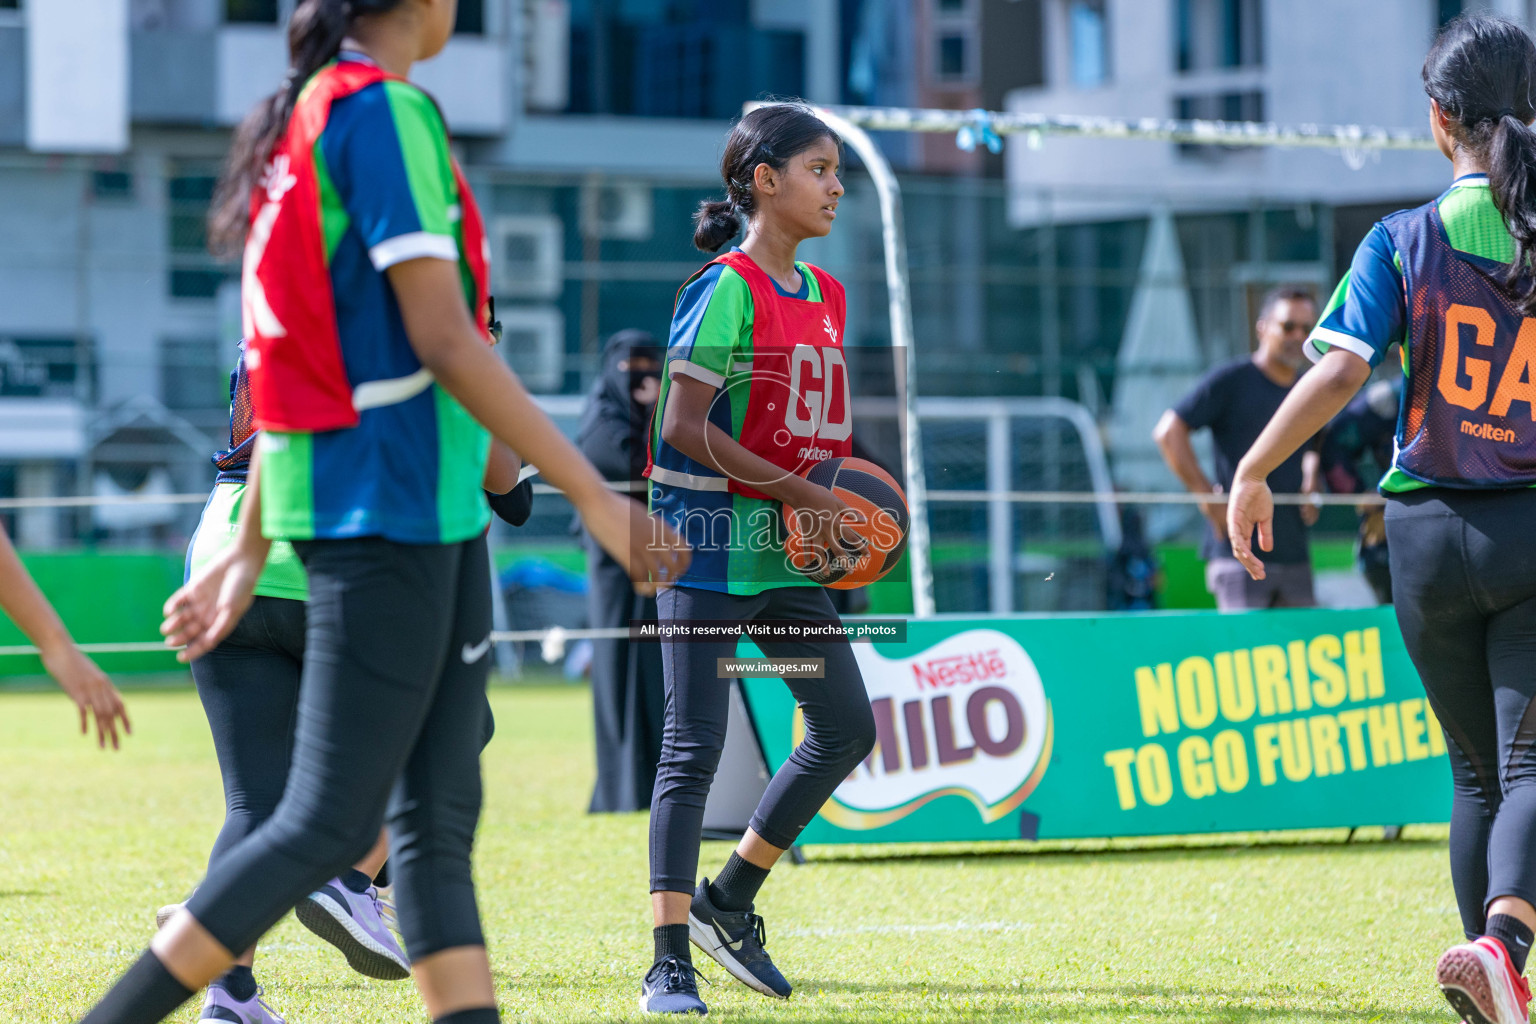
x=839, y=726
x=249, y=686
x=391, y=717
x=1464, y=585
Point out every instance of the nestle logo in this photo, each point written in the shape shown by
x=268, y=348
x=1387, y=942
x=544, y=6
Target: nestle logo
x=959, y=669
x=1487, y=432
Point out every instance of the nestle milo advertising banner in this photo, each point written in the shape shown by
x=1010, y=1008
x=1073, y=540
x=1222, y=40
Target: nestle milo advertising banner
x=1160, y=724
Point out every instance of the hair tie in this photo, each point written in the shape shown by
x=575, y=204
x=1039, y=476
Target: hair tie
x=1506, y=112
x=737, y=194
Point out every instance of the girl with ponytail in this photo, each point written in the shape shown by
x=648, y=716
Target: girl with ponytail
x=374, y=394
x=1455, y=282
x=753, y=390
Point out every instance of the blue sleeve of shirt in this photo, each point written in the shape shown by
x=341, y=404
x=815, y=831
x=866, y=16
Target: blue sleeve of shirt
x=691, y=303
x=1368, y=311
x=385, y=149
x=706, y=326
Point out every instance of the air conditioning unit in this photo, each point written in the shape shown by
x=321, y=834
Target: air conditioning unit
x=527, y=255
x=533, y=344
x=624, y=210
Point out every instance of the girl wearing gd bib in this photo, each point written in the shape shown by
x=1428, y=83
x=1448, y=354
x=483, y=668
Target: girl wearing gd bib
x=754, y=388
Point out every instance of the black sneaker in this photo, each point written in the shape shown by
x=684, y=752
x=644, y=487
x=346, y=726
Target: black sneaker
x=735, y=939
x=669, y=988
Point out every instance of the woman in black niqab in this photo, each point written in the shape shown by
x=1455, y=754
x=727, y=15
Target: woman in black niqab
x=628, y=694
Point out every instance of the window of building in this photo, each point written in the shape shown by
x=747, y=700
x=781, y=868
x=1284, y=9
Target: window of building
x=1245, y=105
x=194, y=273
x=951, y=58
x=640, y=57
x=193, y=377
x=1088, y=25
x=257, y=12
x=1445, y=10
x=1212, y=34
x=112, y=180
x=471, y=17
x=44, y=368
x=1240, y=105
x=955, y=54
x=112, y=184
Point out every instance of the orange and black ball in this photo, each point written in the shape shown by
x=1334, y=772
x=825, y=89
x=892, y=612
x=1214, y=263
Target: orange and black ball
x=873, y=546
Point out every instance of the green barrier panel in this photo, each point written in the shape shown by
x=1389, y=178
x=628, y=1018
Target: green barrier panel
x=103, y=597
x=113, y=596
x=1157, y=724
x=1182, y=577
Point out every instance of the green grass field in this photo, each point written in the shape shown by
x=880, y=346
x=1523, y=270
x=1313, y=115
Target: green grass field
x=1260, y=929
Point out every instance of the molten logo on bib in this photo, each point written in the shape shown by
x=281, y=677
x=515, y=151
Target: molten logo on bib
x=967, y=717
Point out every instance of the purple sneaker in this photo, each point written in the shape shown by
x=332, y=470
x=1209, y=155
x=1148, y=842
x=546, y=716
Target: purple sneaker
x=224, y=1008
x=353, y=923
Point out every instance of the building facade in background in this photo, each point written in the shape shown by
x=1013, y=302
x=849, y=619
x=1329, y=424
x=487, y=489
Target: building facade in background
x=591, y=130
x=1219, y=225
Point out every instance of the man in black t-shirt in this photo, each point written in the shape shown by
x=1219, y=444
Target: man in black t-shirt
x=1236, y=402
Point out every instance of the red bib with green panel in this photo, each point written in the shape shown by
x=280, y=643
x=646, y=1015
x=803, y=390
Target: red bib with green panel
x=299, y=380
x=798, y=410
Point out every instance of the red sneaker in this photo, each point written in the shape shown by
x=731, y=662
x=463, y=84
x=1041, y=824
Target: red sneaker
x=1481, y=984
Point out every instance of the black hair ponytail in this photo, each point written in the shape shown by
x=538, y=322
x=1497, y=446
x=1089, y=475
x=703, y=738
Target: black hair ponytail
x=314, y=38
x=1482, y=72
x=768, y=135
x=715, y=222
x=1512, y=180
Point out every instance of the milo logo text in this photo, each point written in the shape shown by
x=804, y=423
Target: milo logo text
x=906, y=748
x=967, y=717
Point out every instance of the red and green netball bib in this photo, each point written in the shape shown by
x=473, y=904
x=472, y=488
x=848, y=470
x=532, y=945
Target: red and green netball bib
x=789, y=391
x=293, y=351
